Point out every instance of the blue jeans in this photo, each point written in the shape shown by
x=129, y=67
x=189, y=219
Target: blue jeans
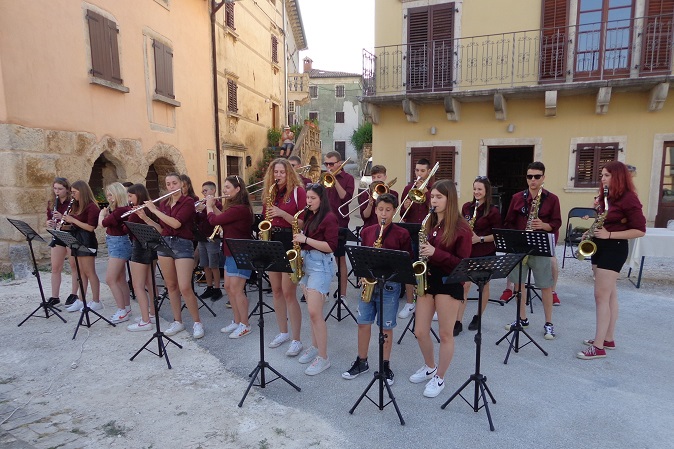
x=368, y=311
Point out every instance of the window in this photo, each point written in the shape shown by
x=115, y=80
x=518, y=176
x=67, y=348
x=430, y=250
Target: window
x=313, y=115
x=229, y=15
x=444, y=155
x=232, y=104
x=553, y=40
x=340, y=147
x=339, y=117
x=274, y=49
x=163, y=69
x=104, y=50
x=233, y=164
x=657, y=37
x=313, y=91
x=430, y=51
x=291, y=106
x=590, y=158
x=339, y=91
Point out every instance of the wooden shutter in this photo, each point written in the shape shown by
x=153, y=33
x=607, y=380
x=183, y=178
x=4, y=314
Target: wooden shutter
x=339, y=117
x=97, y=43
x=163, y=68
x=232, y=104
x=445, y=155
x=418, y=41
x=589, y=161
x=111, y=37
x=554, y=37
x=657, y=37
x=442, y=33
x=274, y=49
x=430, y=32
x=229, y=15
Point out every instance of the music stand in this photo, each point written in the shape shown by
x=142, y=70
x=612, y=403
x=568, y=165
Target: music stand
x=30, y=234
x=345, y=235
x=75, y=245
x=531, y=243
x=261, y=256
x=385, y=265
x=150, y=239
x=480, y=270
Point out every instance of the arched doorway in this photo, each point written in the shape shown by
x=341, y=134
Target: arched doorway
x=154, y=181
x=104, y=172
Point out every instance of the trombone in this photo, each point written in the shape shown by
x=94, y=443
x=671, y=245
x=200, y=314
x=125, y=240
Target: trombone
x=377, y=188
x=328, y=178
x=417, y=194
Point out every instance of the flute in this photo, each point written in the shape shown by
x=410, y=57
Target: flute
x=132, y=211
x=203, y=201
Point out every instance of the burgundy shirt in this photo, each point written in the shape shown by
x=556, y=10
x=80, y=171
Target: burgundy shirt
x=446, y=258
x=89, y=215
x=549, y=211
x=347, y=182
x=624, y=213
x=236, y=222
x=205, y=229
x=326, y=231
x=114, y=223
x=288, y=205
x=417, y=211
x=394, y=237
x=372, y=219
x=305, y=180
x=484, y=225
x=184, y=212
x=60, y=208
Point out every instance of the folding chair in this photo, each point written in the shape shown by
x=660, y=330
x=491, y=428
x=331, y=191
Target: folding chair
x=574, y=232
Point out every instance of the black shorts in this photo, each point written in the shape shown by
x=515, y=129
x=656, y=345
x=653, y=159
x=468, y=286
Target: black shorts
x=436, y=285
x=142, y=255
x=87, y=239
x=283, y=235
x=611, y=254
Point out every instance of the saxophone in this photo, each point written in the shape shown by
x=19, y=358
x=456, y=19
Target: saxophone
x=420, y=267
x=369, y=283
x=294, y=255
x=587, y=247
x=471, y=222
x=533, y=212
x=265, y=225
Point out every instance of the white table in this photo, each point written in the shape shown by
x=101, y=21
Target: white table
x=658, y=242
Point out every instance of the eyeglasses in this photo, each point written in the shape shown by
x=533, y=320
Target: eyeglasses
x=329, y=164
x=534, y=176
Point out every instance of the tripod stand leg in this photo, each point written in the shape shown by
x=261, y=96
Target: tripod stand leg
x=486, y=404
x=253, y=376
x=393, y=400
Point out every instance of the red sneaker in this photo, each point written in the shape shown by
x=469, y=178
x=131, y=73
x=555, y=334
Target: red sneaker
x=592, y=352
x=607, y=344
x=506, y=295
x=555, y=299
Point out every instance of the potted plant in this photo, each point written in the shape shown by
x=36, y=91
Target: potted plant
x=273, y=137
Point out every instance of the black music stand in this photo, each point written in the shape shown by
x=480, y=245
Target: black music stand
x=531, y=243
x=75, y=245
x=150, y=239
x=30, y=234
x=345, y=235
x=385, y=265
x=480, y=270
x=261, y=256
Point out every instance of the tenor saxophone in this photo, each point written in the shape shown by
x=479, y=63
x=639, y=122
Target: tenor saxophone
x=295, y=255
x=420, y=267
x=265, y=225
x=369, y=283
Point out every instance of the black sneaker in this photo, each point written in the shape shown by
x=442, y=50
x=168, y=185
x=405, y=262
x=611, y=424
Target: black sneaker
x=53, y=301
x=207, y=293
x=228, y=305
x=71, y=299
x=216, y=294
x=473, y=324
x=388, y=374
x=458, y=327
x=360, y=366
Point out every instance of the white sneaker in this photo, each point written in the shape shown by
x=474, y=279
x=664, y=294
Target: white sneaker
x=174, y=328
x=435, y=316
x=434, y=387
x=241, y=331
x=140, y=326
x=95, y=305
x=120, y=316
x=308, y=355
x=423, y=374
x=153, y=320
x=406, y=311
x=231, y=327
x=317, y=366
x=279, y=340
x=76, y=306
x=198, y=330
x=295, y=348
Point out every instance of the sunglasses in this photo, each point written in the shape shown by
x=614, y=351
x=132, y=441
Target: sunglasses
x=534, y=176
x=329, y=164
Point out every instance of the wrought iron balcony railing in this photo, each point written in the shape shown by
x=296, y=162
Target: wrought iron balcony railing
x=631, y=48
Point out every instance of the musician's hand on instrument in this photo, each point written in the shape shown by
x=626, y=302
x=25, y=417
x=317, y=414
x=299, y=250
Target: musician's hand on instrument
x=141, y=214
x=104, y=212
x=601, y=233
x=67, y=218
x=476, y=238
x=299, y=238
x=537, y=224
x=407, y=203
x=426, y=250
x=201, y=206
x=151, y=206
x=56, y=216
x=51, y=224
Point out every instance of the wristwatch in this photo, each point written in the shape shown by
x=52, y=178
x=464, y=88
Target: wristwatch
x=481, y=239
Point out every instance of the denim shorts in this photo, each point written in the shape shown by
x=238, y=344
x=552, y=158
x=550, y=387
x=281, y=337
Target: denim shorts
x=319, y=268
x=209, y=253
x=367, y=311
x=232, y=270
x=119, y=246
x=182, y=248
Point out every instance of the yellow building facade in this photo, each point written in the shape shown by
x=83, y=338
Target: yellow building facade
x=487, y=87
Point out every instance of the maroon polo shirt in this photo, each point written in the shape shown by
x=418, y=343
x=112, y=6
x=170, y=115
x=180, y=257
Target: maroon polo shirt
x=394, y=237
x=549, y=211
x=305, y=180
x=236, y=222
x=89, y=215
x=114, y=223
x=60, y=208
x=184, y=212
x=417, y=211
x=446, y=258
x=205, y=229
x=372, y=219
x=624, y=213
x=326, y=231
x=484, y=225
x=347, y=182
x=287, y=205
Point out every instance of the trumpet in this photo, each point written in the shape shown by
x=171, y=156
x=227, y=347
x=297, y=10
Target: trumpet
x=143, y=206
x=203, y=201
x=217, y=232
x=417, y=194
x=328, y=179
x=376, y=189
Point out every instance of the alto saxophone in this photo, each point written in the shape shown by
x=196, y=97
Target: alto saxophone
x=420, y=267
x=587, y=247
x=471, y=222
x=369, y=283
x=533, y=215
x=265, y=225
x=295, y=255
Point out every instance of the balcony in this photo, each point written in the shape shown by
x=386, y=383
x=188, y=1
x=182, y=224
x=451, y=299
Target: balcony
x=298, y=88
x=633, y=53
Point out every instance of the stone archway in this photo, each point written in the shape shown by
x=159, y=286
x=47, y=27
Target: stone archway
x=114, y=160
x=106, y=170
x=161, y=160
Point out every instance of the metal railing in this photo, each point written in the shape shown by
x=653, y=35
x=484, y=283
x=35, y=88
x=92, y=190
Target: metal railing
x=298, y=82
x=630, y=48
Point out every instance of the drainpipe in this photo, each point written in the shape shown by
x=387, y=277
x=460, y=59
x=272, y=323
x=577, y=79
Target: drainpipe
x=285, y=67
x=215, y=7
